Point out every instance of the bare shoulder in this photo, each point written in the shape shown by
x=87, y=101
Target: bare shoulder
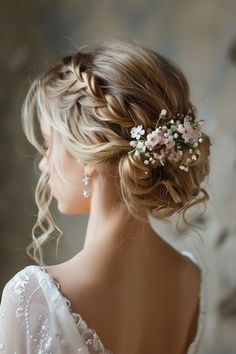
x=80, y=277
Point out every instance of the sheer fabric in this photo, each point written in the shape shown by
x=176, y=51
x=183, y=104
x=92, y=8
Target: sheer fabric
x=35, y=318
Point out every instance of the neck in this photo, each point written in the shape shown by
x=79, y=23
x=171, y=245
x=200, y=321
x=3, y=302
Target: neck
x=110, y=222
x=114, y=226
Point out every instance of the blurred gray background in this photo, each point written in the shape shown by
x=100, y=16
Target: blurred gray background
x=200, y=37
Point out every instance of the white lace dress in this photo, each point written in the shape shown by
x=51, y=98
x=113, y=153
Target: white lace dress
x=35, y=318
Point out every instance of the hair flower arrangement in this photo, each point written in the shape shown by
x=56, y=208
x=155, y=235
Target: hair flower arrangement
x=167, y=141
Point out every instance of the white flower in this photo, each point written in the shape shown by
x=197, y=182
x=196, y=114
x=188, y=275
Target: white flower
x=176, y=135
x=186, y=119
x=194, y=157
x=143, y=148
x=173, y=127
x=136, y=132
x=139, y=144
x=133, y=143
x=200, y=140
x=146, y=162
x=163, y=112
x=184, y=168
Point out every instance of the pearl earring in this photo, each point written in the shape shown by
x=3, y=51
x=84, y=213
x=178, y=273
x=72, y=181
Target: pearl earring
x=85, y=181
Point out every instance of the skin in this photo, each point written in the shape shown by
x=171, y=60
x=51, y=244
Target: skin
x=122, y=268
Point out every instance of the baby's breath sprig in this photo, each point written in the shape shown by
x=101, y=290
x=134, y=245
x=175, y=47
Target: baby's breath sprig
x=179, y=132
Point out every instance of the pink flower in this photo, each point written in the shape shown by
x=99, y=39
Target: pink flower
x=153, y=139
x=186, y=130
x=161, y=156
x=175, y=155
x=170, y=143
x=195, y=135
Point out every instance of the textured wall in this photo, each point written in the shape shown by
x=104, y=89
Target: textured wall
x=197, y=35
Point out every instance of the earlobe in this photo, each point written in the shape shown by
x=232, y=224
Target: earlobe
x=90, y=170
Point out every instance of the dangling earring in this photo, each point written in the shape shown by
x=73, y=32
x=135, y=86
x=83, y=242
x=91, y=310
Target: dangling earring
x=85, y=181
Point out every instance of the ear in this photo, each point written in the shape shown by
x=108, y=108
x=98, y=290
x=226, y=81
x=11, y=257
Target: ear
x=90, y=170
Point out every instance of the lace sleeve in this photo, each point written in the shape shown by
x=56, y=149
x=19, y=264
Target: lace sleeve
x=24, y=316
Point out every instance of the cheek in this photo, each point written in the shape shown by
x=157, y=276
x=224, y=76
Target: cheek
x=69, y=193
x=71, y=200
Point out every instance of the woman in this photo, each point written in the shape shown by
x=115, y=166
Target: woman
x=122, y=142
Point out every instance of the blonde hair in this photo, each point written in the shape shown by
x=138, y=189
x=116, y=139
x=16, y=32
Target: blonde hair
x=91, y=100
